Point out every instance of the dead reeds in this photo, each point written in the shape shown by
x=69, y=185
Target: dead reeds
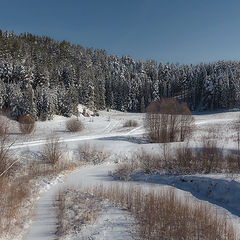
x=161, y=214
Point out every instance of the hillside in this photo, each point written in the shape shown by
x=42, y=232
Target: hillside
x=43, y=77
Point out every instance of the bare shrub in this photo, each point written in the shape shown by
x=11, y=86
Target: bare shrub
x=147, y=161
x=168, y=121
x=52, y=152
x=211, y=158
x=13, y=195
x=4, y=126
x=183, y=159
x=14, y=188
x=123, y=171
x=162, y=215
x=130, y=123
x=17, y=183
x=91, y=154
x=8, y=164
x=26, y=124
x=236, y=127
x=74, y=125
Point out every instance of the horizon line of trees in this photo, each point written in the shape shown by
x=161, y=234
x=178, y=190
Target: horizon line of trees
x=43, y=77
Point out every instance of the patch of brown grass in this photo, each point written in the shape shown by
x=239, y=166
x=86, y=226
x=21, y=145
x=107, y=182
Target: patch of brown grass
x=181, y=160
x=74, y=208
x=18, y=184
x=161, y=215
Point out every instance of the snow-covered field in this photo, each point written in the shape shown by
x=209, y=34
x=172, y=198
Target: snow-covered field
x=219, y=191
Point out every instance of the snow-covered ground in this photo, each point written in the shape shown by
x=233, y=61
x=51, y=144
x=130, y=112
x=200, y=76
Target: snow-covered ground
x=108, y=133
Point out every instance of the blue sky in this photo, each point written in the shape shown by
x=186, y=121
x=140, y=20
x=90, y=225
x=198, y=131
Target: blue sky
x=184, y=31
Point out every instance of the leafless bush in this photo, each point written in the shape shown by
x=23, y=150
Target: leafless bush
x=52, y=152
x=211, y=158
x=182, y=160
x=26, y=124
x=236, y=127
x=91, y=154
x=8, y=164
x=12, y=197
x=14, y=189
x=12, y=192
x=123, y=171
x=168, y=121
x=74, y=125
x=161, y=215
x=4, y=126
x=16, y=183
x=130, y=123
x=148, y=162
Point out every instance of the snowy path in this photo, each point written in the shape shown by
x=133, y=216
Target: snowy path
x=43, y=226
x=135, y=131
x=113, y=223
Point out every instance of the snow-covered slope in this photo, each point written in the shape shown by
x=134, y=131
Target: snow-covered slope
x=107, y=132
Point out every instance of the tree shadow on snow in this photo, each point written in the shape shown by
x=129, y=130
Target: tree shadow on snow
x=131, y=139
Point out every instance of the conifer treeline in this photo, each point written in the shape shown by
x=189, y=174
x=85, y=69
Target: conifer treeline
x=43, y=77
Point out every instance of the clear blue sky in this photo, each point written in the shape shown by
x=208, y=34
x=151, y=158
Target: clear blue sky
x=184, y=31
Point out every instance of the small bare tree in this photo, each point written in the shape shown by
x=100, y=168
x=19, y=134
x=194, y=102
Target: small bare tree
x=168, y=121
x=187, y=122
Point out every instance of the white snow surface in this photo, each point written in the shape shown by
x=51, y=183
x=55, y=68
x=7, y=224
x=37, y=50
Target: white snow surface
x=106, y=131
x=113, y=223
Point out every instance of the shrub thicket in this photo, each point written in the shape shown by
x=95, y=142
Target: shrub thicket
x=130, y=123
x=74, y=125
x=168, y=121
x=26, y=124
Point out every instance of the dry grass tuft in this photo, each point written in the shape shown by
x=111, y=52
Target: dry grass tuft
x=181, y=160
x=161, y=215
